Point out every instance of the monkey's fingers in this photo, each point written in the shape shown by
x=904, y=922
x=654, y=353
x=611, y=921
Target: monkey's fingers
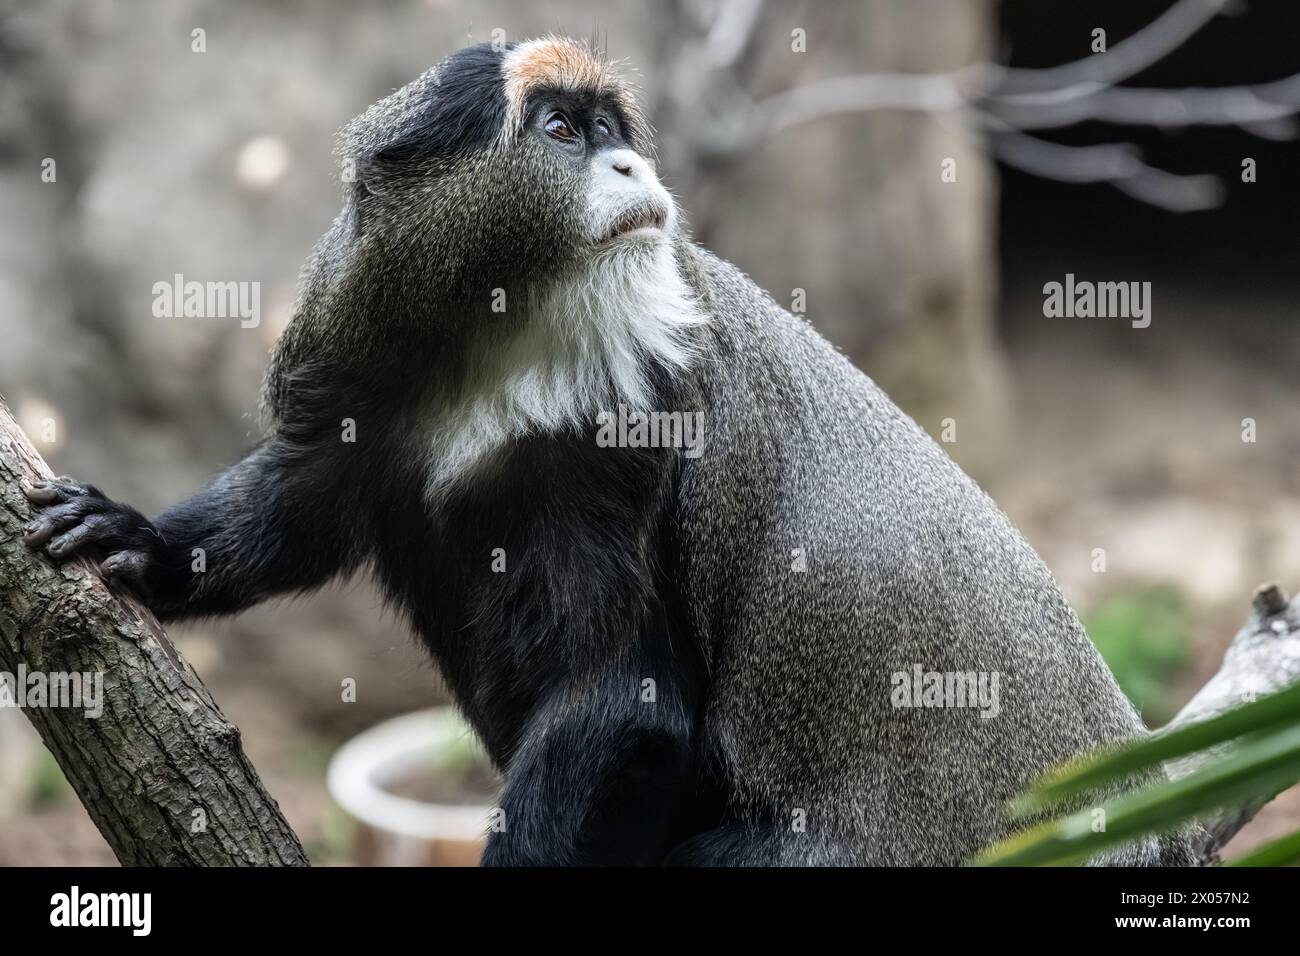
x=127, y=567
x=94, y=529
x=69, y=528
x=58, y=491
x=59, y=518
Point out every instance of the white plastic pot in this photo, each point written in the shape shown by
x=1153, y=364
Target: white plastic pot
x=397, y=830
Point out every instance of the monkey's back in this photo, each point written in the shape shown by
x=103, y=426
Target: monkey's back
x=828, y=545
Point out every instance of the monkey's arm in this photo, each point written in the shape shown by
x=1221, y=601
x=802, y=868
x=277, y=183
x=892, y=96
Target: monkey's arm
x=597, y=779
x=272, y=523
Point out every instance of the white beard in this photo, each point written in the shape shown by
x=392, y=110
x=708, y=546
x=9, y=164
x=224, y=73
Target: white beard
x=586, y=344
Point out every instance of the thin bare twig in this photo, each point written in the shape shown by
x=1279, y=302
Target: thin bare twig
x=1119, y=164
x=1124, y=60
x=1005, y=103
x=927, y=93
x=732, y=31
x=1241, y=106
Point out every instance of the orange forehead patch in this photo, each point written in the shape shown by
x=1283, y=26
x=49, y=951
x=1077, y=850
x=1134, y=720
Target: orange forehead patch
x=560, y=63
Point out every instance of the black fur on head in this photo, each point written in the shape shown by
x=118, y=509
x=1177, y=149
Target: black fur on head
x=456, y=198
x=456, y=175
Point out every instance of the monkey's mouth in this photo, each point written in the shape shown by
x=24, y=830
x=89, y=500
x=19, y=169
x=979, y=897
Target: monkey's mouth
x=646, y=221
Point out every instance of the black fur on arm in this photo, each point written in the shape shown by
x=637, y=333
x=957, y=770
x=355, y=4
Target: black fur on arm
x=282, y=519
x=598, y=778
x=572, y=661
x=276, y=522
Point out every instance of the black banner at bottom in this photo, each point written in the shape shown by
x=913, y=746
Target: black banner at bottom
x=229, y=906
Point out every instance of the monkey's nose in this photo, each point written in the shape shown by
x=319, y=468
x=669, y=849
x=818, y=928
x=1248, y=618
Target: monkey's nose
x=624, y=162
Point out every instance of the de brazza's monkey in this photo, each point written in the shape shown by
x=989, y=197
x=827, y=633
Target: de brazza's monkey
x=693, y=658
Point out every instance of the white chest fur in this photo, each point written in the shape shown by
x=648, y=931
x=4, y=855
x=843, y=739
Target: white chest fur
x=586, y=344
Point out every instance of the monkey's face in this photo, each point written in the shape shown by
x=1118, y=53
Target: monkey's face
x=573, y=132
x=503, y=167
x=618, y=202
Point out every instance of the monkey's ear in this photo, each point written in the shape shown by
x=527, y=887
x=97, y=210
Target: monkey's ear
x=369, y=177
x=377, y=172
x=402, y=158
x=398, y=154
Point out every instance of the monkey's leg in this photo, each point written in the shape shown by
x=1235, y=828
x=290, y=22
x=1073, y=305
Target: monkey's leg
x=275, y=522
x=732, y=845
x=755, y=844
x=595, y=781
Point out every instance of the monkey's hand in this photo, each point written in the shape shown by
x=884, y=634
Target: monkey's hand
x=79, y=519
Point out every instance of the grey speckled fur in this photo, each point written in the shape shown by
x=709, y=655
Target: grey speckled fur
x=908, y=562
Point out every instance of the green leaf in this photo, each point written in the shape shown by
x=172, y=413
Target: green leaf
x=1088, y=773
x=1284, y=851
x=1263, y=765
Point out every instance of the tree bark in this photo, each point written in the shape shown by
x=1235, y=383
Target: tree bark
x=160, y=770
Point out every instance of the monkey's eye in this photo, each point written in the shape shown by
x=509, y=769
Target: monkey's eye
x=559, y=127
x=603, y=126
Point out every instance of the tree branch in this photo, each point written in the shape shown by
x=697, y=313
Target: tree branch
x=1145, y=48
x=1119, y=164
x=1002, y=102
x=160, y=770
x=1264, y=657
x=1243, y=106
